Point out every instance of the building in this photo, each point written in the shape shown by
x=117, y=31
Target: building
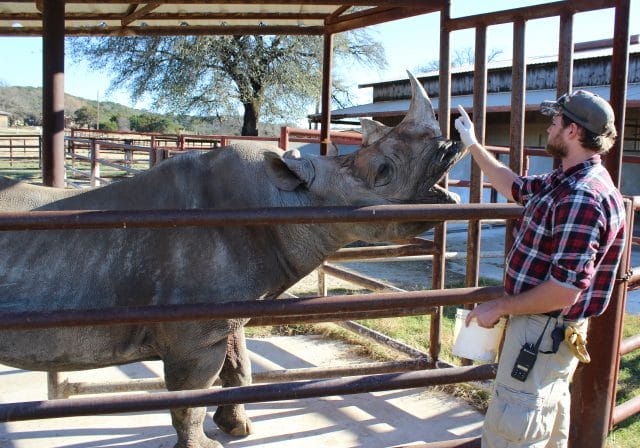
x=591, y=71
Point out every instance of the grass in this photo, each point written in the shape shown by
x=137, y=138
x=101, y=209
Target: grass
x=627, y=433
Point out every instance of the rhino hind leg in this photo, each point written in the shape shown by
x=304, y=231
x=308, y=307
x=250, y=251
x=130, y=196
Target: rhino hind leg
x=197, y=372
x=236, y=371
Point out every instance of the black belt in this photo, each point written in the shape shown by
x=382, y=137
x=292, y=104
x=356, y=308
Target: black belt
x=555, y=313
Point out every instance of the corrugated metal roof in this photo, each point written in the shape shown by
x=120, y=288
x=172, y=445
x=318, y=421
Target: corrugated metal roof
x=496, y=65
x=118, y=17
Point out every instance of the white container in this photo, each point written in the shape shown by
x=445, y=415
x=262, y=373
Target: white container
x=475, y=342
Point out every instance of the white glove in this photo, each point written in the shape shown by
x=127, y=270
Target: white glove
x=465, y=127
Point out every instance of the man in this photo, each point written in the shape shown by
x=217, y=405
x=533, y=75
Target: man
x=559, y=272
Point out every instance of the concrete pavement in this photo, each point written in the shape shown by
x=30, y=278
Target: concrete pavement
x=380, y=419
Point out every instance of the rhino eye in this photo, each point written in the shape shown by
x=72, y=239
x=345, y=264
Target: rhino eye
x=383, y=176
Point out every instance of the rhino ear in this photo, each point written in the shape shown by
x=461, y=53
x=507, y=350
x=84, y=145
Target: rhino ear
x=372, y=131
x=279, y=172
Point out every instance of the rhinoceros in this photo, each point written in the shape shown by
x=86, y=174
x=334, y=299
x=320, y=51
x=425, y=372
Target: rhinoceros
x=93, y=269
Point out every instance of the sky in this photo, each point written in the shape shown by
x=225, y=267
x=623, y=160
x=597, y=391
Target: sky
x=408, y=43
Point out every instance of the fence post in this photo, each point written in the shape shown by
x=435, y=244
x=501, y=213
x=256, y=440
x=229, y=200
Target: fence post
x=284, y=138
x=594, y=385
x=157, y=155
x=95, y=165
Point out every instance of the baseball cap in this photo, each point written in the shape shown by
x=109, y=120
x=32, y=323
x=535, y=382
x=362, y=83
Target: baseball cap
x=585, y=108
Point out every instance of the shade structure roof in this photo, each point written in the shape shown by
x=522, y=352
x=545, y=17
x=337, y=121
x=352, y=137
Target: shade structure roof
x=193, y=17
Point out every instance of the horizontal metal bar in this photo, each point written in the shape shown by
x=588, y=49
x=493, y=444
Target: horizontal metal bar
x=395, y=250
x=315, y=306
x=630, y=344
x=247, y=394
x=341, y=316
x=145, y=384
x=358, y=279
x=102, y=219
x=384, y=339
x=626, y=410
x=526, y=13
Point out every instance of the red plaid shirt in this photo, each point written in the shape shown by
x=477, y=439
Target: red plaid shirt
x=571, y=231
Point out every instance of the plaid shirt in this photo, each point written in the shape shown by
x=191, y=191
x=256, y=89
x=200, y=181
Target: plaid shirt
x=571, y=231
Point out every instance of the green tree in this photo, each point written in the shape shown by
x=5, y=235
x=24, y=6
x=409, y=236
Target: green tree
x=85, y=116
x=146, y=122
x=269, y=77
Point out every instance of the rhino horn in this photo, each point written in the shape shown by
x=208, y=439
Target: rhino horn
x=421, y=110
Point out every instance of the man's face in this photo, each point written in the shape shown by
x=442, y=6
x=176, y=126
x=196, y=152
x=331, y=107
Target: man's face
x=556, y=144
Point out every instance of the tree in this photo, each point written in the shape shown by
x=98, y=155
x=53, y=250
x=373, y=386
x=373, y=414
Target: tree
x=85, y=116
x=146, y=122
x=271, y=77
x=459, y=58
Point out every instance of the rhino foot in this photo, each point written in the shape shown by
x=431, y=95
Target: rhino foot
x=233, y=420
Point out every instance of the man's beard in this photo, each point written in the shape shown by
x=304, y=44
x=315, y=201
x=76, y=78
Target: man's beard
x=557, y=149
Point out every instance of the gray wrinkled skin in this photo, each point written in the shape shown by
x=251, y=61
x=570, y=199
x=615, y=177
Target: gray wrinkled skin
x=91, y=269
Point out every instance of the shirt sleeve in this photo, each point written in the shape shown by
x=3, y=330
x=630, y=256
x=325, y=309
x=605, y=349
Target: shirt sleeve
x=578, y=223
x=524, y=187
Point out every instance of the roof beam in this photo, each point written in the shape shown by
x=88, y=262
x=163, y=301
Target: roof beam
x=142, y=12
x=379, y=15
x=218, y=30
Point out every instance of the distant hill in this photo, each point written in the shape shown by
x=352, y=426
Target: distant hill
x=26, y=102
x=25, y=105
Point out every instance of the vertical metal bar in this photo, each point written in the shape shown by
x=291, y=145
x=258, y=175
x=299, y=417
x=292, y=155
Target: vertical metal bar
x=325, y=127
x=479, y=120
x=284, y=138
x=56, y=385
x=619, y=67
x=53, y=93
x=95, y=165
x=440, y=231
x=594, y=384
x=323, y=290
x=565, y=61
x=518, y=91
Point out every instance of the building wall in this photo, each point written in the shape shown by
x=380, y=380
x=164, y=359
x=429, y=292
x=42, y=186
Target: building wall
x=4, y=121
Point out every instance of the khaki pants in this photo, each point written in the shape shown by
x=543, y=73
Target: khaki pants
x=533, y=413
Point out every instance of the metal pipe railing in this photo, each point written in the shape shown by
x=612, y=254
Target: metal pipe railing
x=246, y=394
x=103, y=219
x=316, y=307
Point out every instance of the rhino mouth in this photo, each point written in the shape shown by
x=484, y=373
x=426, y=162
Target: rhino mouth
x=449, y=153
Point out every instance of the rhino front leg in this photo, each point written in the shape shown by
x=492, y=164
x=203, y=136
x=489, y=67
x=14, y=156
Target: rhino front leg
x=196, y=372
x=236, y=371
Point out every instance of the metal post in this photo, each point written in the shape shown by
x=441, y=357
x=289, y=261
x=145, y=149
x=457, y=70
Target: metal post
x=95, y=165
x=594, y=385
x=438, y=265
x=325, y=128
x=565, y=61
x=475, y=187
x=619, y=68
x=53, y=93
